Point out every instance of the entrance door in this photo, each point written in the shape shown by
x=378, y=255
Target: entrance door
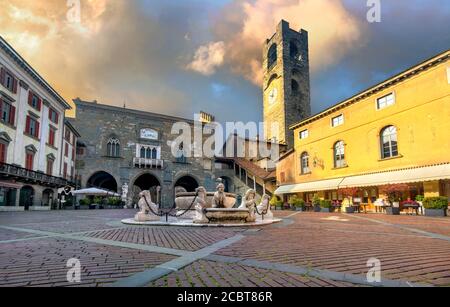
x=26, y=197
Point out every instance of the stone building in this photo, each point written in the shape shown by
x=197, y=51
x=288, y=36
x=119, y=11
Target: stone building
x=123, y=146
x=31, y=136
x=286, y=85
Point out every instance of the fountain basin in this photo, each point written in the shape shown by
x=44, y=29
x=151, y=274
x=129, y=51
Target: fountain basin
x=227, y=216
x=184, y=200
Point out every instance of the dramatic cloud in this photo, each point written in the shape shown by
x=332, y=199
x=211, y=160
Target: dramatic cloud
x=245, y=24
x=207, y=58
x=117, y=53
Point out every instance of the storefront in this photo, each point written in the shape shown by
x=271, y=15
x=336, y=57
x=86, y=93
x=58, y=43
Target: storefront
x=8, y=194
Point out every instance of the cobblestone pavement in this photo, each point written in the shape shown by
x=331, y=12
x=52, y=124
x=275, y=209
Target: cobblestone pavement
x=305, y=250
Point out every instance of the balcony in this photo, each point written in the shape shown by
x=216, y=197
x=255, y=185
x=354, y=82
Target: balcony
x=148, y=163
x=24, y=175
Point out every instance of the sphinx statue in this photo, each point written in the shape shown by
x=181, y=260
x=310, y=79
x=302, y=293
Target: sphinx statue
x=219, y=197
x=249, y=202
x=264, y=211
x=146, y=206
x=200, y=206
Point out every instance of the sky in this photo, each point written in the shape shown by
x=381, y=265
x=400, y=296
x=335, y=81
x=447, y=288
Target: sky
x=180, y=57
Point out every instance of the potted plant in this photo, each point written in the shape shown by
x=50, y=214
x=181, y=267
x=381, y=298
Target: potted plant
x=279, y=205
x=114, y=203
x=293, y=201
x=435, y=206
x=316, y=204
x=300, y=205
x=95, y=202
x=84, y=203
x=349, y=193
x=325, y=206
x=275, y=203
x=394, y=193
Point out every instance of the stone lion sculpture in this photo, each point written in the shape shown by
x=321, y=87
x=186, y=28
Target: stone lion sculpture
x=264, y=208
x=200, y=206
x=146, y=206
x=249, y=202
x=219, y=197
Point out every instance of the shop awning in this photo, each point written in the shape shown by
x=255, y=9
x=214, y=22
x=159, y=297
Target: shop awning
x=323, y=185
x=410, y=175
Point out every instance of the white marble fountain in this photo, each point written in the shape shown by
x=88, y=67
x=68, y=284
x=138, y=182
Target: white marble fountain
x=203, y=209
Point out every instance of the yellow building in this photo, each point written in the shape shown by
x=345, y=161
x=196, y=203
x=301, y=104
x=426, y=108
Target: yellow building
x=397, y=132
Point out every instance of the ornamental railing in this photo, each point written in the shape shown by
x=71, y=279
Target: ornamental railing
x=148, y=163
x=25, y=175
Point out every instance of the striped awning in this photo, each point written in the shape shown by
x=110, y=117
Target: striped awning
x=409, y=175
x=323, y=185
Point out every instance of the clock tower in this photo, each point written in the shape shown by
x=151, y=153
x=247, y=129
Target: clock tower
x=286, y=86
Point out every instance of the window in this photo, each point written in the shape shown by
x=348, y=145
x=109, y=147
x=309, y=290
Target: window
x=385, y=101
x=8, y=80
x=272, y=56
x=113, y=148
x=304, y=162
x=50, y=167
x=304, y=134
x=7, y=112
x=294, y=87
x=389, y=142
x=53, y=115
x=32, y=127
x=337, y=121
x=66, y=150
x=73, y=153
x=29, y=159
x=34, y=101
x=150, y=152
x=51, y=136
x=339, y=155
x=3, y=152
x=293, y=50
x=67, y=135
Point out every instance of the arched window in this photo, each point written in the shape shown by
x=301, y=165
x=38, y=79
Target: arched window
x=339, y=155
x=293, y=49
x=113, y=147
x=143, y=152
x=389, y=142
x=272, y=56
x=304, y=163
x=154, y=154
x=294, y=86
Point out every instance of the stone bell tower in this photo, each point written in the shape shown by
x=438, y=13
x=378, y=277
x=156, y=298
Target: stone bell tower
x=286, y=86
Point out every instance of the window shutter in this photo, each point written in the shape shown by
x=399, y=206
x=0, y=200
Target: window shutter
x=2, y=153
x=57, y=117
x=1, y=107
x=27, y=125
x=30, y=98
x=37, y=129
x=12, y=115
x=39, y=104
x=15, y=86
x=2, y=76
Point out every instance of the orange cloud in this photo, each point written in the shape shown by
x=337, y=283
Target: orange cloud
x=245, y=24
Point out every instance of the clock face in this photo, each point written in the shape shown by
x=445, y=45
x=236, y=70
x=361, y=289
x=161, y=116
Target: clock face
x=273, y=94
